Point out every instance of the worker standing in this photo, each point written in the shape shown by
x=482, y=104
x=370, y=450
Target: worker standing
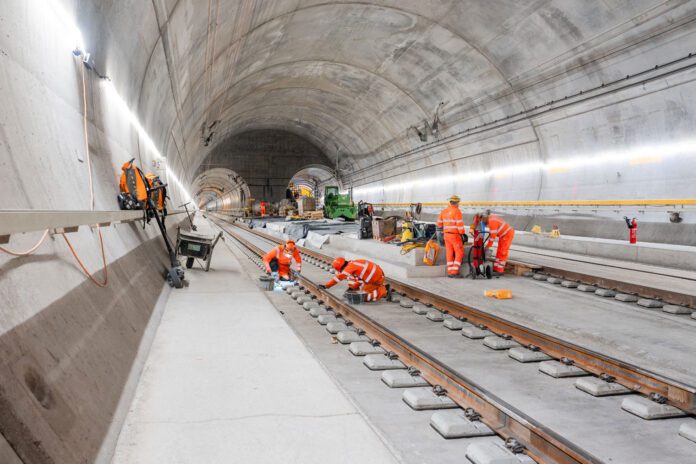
x=263, y=209
x=279, y=260
x=451, y=223
x=504, y=233
x=363, y=275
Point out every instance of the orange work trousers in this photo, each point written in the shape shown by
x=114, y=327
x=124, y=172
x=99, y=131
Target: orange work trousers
x=455, y=252
x=375, y=291
x=503, y=252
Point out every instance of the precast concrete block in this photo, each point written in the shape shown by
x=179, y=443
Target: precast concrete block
x=525, y=355
x=320, y=311
x=455, y=324
x=435, y=315
x=494, y=452
x=326, y=318
x=301, y=300
x=605, y=293
x=338, y=326
x=693, y=315
x=648, y=409
x=587, y=288
x=475, y=332
x=309, y=305
x=425, y=398
x=403, y=379
x=420, y=309
x=289, y=289
x=651, y=304
x=626, y=297
x=395, y=298
x=598, y=387
x=528, y=274
x=349, y=336
x=453, y=423
x=406, y=303
x=541, y=277
x=559, y=370
x=554, y=280
x=569, y=284
x=365, y=348
x=499, y=343
x=382, y=362
x=688, y=430
x=675, y=309
x=297, y=293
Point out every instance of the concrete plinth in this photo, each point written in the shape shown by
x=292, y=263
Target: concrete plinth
x=403, y=379
x=605, y=293
x=598, y=387
x=420, y=309
x=424, y=398
x=435, y=315
x=559, y=370
x=587, y=288
x=406, y=303
x=301, y=300
x=338, y=326
x=455, y=324
x=688, y=430
x=651, y=304
x=475, y=333
x=309, y=305
x=693, y=315
x=320, y=311
x=648, y=409
x=541, y=277
x=626, y=297
x=499, y=343
x=454, y=424
x=674, y=309
x=525, y=355
x=554, y=280
x=569, y=284
x=365, y=348
x=349, y=336
x=326, y=319
x=380, y=362
x=494, y=452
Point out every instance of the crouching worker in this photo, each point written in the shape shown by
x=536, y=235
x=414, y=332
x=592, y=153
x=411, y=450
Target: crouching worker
x=501, y=230
x=362, y=275
x=279, y=260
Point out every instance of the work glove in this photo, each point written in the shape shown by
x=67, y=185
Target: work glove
x=268, y=273
x=465, y=238
x=322, y=286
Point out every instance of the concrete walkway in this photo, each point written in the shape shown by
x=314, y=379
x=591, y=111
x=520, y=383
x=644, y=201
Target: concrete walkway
x=228, y=381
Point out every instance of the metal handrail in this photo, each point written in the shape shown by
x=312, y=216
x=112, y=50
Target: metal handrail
x=20, y=221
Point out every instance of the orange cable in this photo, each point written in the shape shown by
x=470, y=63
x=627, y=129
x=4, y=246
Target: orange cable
x=29, y=251
x=84, y=269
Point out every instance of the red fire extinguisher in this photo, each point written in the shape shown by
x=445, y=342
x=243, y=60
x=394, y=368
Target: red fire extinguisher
x=632, y=229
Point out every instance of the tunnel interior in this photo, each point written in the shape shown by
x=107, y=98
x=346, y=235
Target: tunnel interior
x=518, y=103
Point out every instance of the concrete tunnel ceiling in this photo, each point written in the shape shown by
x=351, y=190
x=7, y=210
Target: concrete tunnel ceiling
x=351, y=78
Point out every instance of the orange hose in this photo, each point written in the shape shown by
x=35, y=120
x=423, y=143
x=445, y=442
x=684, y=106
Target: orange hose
x=84, y=269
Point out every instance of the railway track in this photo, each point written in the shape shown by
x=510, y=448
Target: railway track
x=520, y=431
x=635, y=378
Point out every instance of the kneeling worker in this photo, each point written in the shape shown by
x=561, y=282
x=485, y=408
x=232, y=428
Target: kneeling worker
x=363, y=275
x=505, y=233
x=279, y=259
x=451, y=223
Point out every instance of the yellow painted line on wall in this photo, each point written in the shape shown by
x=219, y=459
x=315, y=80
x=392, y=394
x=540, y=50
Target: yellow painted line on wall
x=646, y=160
x=660, y=202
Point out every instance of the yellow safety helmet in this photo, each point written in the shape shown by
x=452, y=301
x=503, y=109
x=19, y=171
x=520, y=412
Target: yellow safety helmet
x=454, y=199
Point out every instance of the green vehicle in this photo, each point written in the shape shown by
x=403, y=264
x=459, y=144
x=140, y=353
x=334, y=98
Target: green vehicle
x=338, y=205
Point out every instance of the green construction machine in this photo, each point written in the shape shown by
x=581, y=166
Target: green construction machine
x=338, y=205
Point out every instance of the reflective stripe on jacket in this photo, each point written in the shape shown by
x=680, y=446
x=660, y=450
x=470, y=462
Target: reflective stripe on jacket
x=451, y=220
x=497, y=228
x=281, y=255
x=360, y=270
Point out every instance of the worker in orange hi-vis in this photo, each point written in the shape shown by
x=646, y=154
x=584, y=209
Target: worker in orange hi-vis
x=263, y=209
x=363, y=275
x=451, y=223
x=504, y=233
x=279, y=260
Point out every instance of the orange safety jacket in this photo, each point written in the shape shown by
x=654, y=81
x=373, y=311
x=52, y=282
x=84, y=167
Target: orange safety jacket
x=360, y=270
x=284, y=258
x=451, y=220
x=497, y=228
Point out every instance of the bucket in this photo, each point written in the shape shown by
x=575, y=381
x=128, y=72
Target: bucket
x=266, y=283
x=354, y=297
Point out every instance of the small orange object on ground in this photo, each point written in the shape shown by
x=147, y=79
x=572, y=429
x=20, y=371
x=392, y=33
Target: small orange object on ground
x=502, y=294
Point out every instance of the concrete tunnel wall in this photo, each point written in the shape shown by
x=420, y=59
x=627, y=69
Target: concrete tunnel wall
x=350, y=78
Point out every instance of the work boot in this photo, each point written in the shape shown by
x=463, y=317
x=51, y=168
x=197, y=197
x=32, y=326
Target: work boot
x=497, y=274
x=455, y=276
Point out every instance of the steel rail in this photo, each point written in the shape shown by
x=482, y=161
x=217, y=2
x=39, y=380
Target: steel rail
x=635, y=378
x=541, y=443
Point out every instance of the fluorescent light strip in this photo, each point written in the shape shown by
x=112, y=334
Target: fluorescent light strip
x=655, y=153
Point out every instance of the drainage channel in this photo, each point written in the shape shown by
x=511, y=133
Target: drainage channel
x=524, y=436
x=660, y=389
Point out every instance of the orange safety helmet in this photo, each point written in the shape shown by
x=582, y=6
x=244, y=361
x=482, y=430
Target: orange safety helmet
x=339, y=263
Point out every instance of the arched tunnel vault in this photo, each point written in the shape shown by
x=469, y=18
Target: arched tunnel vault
x=261, y=161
